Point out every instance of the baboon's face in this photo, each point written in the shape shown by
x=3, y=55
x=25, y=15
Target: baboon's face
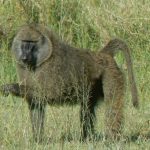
x=28, y=53
x=30, y=47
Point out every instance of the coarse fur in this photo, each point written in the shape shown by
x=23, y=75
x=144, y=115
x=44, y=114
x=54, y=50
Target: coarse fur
x=53, y=72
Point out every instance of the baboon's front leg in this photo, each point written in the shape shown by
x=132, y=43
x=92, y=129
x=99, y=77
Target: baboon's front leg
x=113, y=84
x=37, y=113
x=14, y=89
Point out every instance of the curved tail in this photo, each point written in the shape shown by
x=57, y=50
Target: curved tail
x=112, y=48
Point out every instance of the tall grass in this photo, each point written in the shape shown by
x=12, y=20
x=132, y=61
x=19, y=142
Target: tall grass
x=87, y=24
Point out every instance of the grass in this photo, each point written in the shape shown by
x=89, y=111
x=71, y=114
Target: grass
x=86, y=24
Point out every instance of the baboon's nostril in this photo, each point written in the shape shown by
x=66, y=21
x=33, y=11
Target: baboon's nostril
x=24, y=58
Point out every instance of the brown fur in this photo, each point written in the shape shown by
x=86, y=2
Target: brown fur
x=68, y=76
x=111, y=48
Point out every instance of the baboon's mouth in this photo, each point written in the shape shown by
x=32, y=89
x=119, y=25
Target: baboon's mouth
x=29, y=64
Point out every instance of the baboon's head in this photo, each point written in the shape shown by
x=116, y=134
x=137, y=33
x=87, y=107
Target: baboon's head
x=32, y=46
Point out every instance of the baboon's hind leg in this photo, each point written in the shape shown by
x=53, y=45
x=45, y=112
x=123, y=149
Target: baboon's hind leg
x=87, y=111
x=87, y=117
x=113, y=85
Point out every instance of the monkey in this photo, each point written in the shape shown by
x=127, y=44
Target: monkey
x=53, y=72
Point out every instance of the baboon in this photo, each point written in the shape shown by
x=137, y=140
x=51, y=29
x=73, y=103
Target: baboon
x=53, y=72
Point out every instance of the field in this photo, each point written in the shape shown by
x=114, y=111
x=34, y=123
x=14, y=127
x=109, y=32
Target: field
x=86, y=24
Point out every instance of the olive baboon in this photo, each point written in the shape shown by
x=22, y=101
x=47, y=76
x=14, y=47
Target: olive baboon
x=52, y=72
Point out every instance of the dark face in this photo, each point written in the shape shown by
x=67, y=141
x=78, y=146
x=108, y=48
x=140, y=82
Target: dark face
x=31, y=47
x=29, y=51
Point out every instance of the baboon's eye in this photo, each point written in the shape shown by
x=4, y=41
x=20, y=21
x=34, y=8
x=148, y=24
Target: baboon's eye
x=29, y=46
x=29, y=41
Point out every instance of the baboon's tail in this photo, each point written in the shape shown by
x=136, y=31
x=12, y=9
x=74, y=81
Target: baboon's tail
x=111, y=48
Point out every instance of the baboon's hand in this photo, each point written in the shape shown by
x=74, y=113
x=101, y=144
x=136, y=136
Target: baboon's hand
x=7, y=89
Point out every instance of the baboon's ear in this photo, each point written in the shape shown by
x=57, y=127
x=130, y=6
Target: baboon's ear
x=45, y=49
x=16, y=48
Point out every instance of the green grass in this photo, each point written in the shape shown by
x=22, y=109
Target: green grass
x=86, y=24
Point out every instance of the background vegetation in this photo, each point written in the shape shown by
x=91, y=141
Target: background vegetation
x=86, y=24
